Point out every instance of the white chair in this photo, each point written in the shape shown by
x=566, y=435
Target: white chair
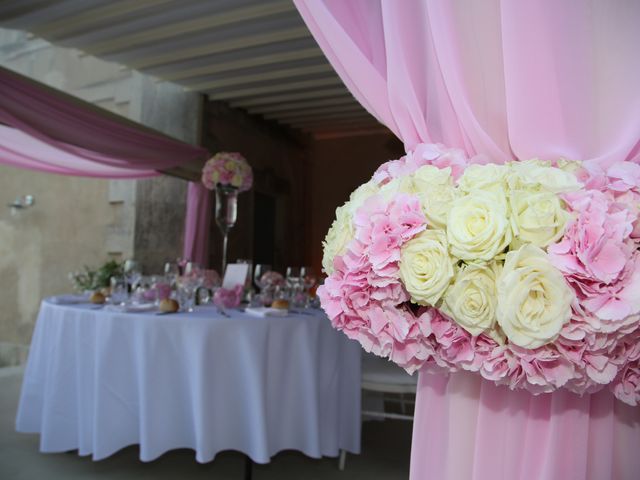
x=390, y=382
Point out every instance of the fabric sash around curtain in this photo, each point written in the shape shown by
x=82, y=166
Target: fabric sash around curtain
x=49, y=131
x=512, y=81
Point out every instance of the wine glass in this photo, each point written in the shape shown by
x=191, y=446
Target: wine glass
x=292, y=276
x=259, y=270
x=132, y=273
x=308, y=278
x=118, y=294
x=189, y=283
x=171, y=272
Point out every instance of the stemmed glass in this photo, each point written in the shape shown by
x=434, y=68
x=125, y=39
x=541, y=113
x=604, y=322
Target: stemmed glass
x=294, y=284
x=118, y=294
x=259, y=270
x=171, y=272
x=133, y=274
x=309, y=280
x=189, y=282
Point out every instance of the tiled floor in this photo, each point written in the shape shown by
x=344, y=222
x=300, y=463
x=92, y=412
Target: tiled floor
x=385, y=445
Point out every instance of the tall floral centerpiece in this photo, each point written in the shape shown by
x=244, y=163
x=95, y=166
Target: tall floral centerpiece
x=228, y=173
x=527, y=273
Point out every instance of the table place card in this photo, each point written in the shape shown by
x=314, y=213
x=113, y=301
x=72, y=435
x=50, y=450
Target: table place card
x=236, y=274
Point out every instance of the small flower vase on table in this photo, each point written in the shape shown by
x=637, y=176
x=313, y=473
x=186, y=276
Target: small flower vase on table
x=228, y=173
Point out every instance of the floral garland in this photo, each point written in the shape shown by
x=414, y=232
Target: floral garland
x=527, y=273
x=228, y=169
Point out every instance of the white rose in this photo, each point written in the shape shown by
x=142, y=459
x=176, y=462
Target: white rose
x=534, y=300
x=338, y=237
x=435, y=188
x=360, y=195
x=426, y=267
x=538, y=174
x=398, y=185
x=472, y=299
x=537, y=217
x=483, y=177
x=478, y=226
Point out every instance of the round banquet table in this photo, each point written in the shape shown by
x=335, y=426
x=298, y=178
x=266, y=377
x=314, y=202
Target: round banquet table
x=99, y=380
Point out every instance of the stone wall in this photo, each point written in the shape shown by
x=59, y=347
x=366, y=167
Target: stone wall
x=79, y=221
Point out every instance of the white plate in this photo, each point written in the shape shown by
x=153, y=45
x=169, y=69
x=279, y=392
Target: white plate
x=267, y=312
x=69, y=299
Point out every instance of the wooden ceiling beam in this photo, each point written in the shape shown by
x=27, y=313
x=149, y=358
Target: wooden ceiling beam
x=239, y=64
x=261, y=77
x=348, y=132
x=292, y=114
x=289, y=97
x=180, y=55
x=346, y=99
x=280, y=87
x=370, y=121
x=191, y=26
x=93, y=17
x=326, y=118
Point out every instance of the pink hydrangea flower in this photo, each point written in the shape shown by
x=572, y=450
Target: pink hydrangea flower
x=627, y=386
x=598, y=255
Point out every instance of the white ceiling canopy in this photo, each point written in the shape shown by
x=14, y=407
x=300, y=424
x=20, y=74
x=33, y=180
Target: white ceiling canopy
x=254, y=54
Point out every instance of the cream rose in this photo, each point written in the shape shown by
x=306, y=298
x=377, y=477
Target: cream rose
x=478, y=226
x=534, y=300
x=483, y=177
x=338, y=237
x=537, y=217
x=426, y=267
x=472, y=299
x=537, y=174
x=435, y=188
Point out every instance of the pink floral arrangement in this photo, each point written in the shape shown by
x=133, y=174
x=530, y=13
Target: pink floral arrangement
x=228, y=169
x=228, y=297
x=272, y=279
x=527, y=273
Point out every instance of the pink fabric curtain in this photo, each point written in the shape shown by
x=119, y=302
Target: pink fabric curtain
x=507, y=79
x=511, y=80
x=51, y=132
x=198, y=224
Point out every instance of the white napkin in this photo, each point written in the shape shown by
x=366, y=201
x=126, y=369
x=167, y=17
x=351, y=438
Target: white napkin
x=69, y=299
x=131, y=308
x=266, y=312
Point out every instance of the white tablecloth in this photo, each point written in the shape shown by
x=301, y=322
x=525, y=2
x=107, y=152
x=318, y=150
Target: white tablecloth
x=98, y=381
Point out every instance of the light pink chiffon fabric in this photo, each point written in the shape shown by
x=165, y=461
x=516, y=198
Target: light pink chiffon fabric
x=510, y=80
x=197, y=224
x=52, y=132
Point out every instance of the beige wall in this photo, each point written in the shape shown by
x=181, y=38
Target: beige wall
x=63, y=230
x=75, y=221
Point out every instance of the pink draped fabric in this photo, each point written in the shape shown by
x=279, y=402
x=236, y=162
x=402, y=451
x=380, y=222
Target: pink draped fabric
x=52, y=132
x=198, y=224
x=510, y=80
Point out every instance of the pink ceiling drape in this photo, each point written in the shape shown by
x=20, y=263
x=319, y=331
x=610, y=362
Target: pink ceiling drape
x=52, y=132
x=510, y=80
x=45, y=130
x=198, y=224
